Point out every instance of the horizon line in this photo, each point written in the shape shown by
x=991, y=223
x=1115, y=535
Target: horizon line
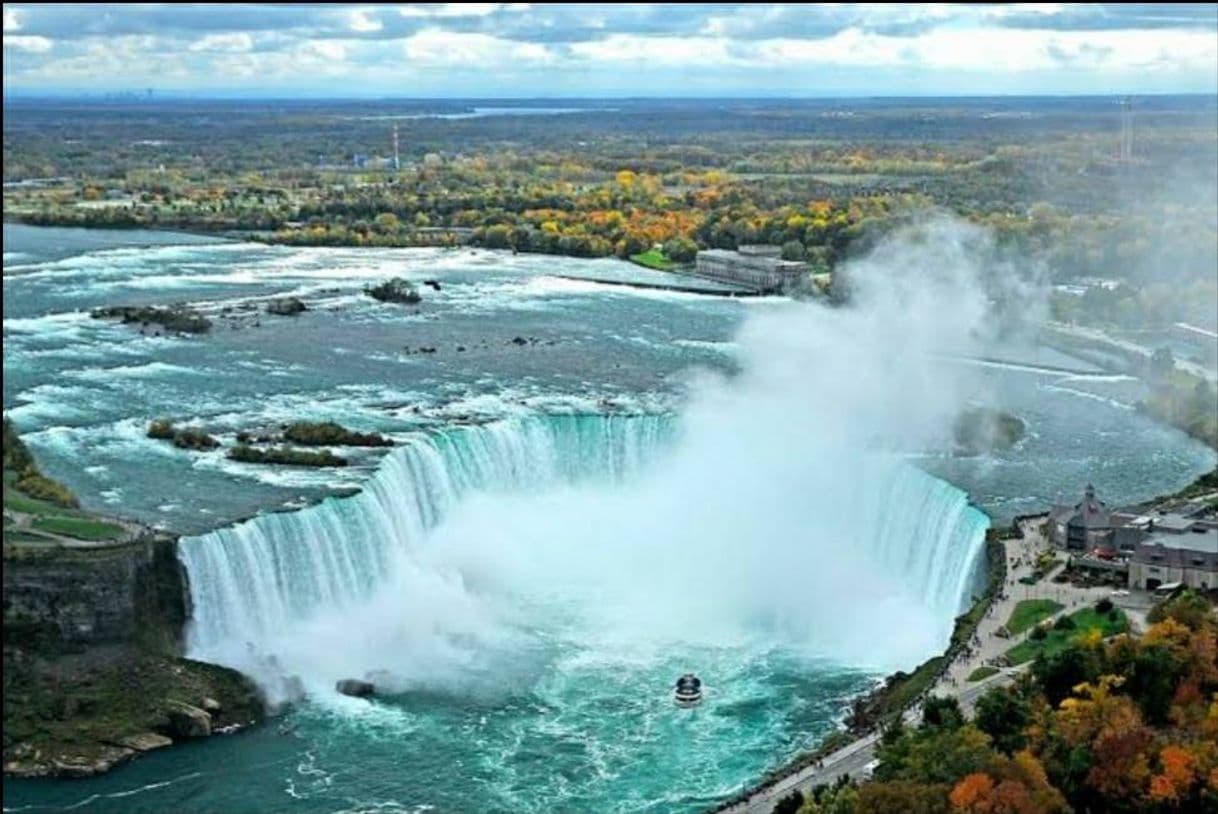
x=154, y=94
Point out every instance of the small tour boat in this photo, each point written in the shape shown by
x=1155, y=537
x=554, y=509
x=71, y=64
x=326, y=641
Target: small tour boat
x=689, y=690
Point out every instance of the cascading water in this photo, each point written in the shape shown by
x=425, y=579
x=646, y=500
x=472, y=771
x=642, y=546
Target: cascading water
x=250, y=581
x=525, y=592
x=924, y=527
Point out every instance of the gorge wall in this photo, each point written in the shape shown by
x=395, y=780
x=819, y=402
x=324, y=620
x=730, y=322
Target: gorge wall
x=70, y=598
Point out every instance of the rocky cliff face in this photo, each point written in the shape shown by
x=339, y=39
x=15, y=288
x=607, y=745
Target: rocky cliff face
x=61, y=599
x=93, y=674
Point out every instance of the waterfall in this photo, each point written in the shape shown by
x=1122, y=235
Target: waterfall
x=364, y=559
x=925, y=528
x=252, y=579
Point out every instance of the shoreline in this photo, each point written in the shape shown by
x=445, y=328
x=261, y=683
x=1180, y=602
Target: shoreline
x=228, y=235
x=95, y=672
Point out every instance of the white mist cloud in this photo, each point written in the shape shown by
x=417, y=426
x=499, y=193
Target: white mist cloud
x=778, y=513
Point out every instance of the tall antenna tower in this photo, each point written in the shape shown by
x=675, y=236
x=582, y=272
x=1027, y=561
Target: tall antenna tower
x=1126, y=150
x=397, y=162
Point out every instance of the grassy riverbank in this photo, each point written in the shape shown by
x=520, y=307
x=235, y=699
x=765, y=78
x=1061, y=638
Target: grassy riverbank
x=40, y=510
x=655, y=259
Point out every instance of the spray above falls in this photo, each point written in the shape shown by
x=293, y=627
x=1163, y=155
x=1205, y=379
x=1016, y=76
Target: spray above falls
x=775, y=508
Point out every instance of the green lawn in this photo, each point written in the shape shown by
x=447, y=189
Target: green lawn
x=982, y=673
x=654, y=259
x=1058, y=640
x=1029, y=612
x=79, y=528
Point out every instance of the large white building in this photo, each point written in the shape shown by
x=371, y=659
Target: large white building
x=1188, y=557
x=759, y=267
x=1168, y=546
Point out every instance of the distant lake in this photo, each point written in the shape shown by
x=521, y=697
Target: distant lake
x=480, y=112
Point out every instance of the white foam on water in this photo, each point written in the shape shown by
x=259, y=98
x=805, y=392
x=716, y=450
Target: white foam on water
x=66, y=324
x=702, y=344
x=550, y=286
x=292, y=477
x=125, y=439
x=132, y=260
x=50, y=404
x=1100, y=377
x=1120, y=405
x=148, y=370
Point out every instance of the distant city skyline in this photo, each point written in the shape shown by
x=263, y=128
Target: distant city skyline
x=518, y=50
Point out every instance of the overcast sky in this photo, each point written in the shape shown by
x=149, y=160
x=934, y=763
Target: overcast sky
x=523, y=50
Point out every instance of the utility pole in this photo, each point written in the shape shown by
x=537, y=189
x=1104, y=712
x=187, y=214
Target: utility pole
x=397, y=161
x=1126, y=149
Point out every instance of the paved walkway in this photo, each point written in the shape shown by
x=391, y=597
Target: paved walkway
x=854, y=758
x=987, y=647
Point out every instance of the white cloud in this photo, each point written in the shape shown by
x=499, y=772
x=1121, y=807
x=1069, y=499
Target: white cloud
x=869, y=48
x=32, y=45
x=325, y=49
x=460, y=9
x=672, y=52
x=360, y=21
x=976, y=50
x=436, y=47
x=236, y=42
x=1003, y=50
